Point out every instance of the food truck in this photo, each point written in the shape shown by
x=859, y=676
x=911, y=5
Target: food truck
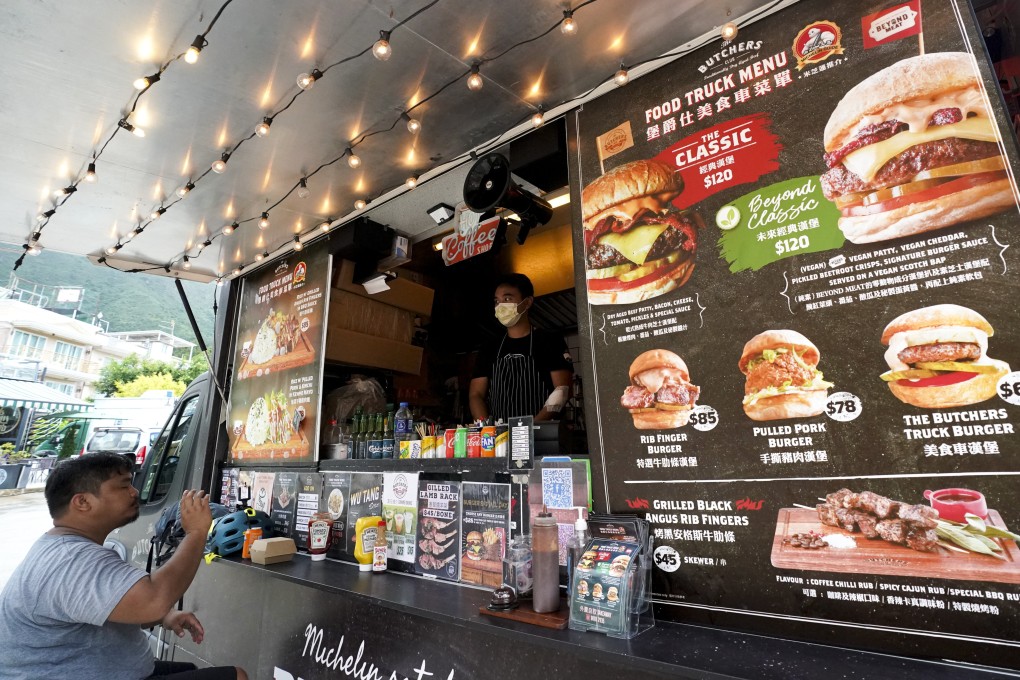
x=777, y=238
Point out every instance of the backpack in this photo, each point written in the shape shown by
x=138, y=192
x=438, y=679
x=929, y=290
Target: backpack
x=168, y=533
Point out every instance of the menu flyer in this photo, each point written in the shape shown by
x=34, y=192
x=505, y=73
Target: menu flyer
x=364, y=500
x=262, y=491
x=229, y=488
x=284, y=500
x=274, y=394
x=599, y=595
x=308, y=501
x=336, y=490
x=485, y=527
x=438, y=533
x=400, y=510
x=800, y=297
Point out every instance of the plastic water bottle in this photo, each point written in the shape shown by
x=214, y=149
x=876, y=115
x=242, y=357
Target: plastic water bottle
x=402, y=424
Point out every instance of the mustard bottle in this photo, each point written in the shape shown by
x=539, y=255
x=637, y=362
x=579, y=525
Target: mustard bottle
x=365, y=531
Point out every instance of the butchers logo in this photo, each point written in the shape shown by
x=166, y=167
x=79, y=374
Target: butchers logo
x=300, y=273
x=817, y=42
x=400, y=486
x=616, y=140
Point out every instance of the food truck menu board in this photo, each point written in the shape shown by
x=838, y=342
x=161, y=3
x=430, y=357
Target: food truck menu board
x=800, y=297
x=274, y=394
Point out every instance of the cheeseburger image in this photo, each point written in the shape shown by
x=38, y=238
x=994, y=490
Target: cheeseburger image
x=637, y=245
x=660, y=395
x=783, y=380
x=937, y=357
x=474, y=549
x=912, y=148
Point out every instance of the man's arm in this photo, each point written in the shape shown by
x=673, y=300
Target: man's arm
x=560, y=378
x=152, y=597
x=478, y=390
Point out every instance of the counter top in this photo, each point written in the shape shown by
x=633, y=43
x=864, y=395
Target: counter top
x=673, y=649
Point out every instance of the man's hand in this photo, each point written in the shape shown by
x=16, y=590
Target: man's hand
x=196, y=517
x=179, y=622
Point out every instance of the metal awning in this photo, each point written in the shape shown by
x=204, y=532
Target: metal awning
x=35, y=395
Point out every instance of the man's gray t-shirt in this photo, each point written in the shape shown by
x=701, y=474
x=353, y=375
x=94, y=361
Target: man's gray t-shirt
x=53, y=615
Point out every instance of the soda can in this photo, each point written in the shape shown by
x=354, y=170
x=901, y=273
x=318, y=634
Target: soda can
x=502, y=441
x=474, y=442
x=250, y=536
x=460, y=443
x=488, y=441
x=450, y=436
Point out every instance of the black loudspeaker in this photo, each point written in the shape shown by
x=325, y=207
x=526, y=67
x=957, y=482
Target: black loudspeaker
x=488, y=186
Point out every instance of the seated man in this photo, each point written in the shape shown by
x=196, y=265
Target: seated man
x=74, y=609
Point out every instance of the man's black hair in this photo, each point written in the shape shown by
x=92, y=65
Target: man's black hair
x=519, y=281
x=82, y=475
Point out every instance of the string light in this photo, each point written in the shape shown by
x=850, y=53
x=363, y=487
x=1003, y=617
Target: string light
x=33, y=249
x=237, y=270
x=537, y=118
x=113, y=249
x=220, y=165
x=66, y=191
x=298, y=245
x=353, y=159
x=147, y=81
x=264, y=221
x=303, y=190
x=185, y=190
x=157, y=213
x=568, y=26
x=186, y=263
x=43, y=216
x=262, y=129
x=307, y=80
x=137, y=231
x=359, y=204
x=259, y=257
x=90, y=174
x=381, y=50
x=413, y=124
x=474, y=81
x=191, y=56
x=622, y=76
x=133, y=129
x=325, y=224
x=206, y=243
x=228, y=229
x=411, y=182
x=729, y=31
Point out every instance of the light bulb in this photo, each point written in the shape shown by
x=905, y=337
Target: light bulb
x=411, y=182
x=264, y=220
x=353, y=159
x=237, y=270
x=729, y=31
x=298, y=245
x=186, y=263
x=259, y=257
x=206, y=243
x=185, y=190
x=359, y=204
x=474, y=81
x=136, y=232
x=413, y=125
x=228, y=229
x=43, y=216
x=191, y=56
x=262, y=129
x=326, y=224
x=66, y=191
x=622, y=77
x=157, y=213
x=381, y=50
x=142, y=83
x=90, y=174
x=568, y=26
x=303, y=190
x=307, y=80
x=220, y=165
x=133, y=129
x=112, y=249
x=537, y=118
x=34, y=249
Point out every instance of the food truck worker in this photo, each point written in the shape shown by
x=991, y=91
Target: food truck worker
x=525, y=372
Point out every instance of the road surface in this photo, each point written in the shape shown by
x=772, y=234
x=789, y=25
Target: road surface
x=23, y=519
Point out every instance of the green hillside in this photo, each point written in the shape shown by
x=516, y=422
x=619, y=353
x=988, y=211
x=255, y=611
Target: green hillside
x=130, y=302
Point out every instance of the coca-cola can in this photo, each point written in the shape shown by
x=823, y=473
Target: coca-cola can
x=474, y=442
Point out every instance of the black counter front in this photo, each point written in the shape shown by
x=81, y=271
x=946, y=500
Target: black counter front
x=305, y=619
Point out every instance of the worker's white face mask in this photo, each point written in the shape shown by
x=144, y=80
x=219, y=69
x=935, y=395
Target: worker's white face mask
x=507, y=313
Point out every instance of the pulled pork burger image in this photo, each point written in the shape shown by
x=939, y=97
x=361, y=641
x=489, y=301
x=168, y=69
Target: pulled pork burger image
x=660, y=395
x=913, y=148
x=637, y=245
x=937, y=357
x=783, y=380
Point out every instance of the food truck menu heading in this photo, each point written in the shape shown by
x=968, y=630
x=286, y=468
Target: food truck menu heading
x=800, y=274
x=274, y=396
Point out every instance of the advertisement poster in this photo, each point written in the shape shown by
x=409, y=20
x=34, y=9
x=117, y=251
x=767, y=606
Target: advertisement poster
x=308, y=501
x=262, y=491
x=400, y=510
x=364, y=500
x=438, y=534
x=336, y=490
x=284, y=503
x=599, y=595
x=485, y=525
x=800, y=294
x=274, y=396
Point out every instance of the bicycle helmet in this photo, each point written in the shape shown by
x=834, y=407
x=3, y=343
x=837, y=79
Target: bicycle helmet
x=226, y=536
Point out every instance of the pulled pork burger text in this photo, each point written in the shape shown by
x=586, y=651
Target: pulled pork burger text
x=937, y=357
x=637, y=245
x=660, y=395
x=783, y=380
x=912, y=148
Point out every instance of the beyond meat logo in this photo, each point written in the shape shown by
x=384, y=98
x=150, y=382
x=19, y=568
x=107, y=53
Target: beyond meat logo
x=817, y=42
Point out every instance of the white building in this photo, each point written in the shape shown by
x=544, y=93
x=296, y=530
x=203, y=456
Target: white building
x=158, y=345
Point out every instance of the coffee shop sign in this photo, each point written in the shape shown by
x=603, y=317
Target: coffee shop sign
x=466, y=243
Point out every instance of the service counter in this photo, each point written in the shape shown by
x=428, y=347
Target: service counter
x=270, y=619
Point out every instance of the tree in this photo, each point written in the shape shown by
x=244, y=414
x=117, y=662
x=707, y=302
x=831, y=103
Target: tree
x=191, y=370
x=144, y=383
x=128, y=370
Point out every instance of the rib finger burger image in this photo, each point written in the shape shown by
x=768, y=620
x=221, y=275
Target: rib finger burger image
x=660, y=395
x=637, y=246
x=913, y=148
x=937, y=357
x=783, y=380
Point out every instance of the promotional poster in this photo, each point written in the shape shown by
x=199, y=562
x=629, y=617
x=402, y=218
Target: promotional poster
x=438, y=531
x=274, y=395
x=400, y=510
x=799, y=290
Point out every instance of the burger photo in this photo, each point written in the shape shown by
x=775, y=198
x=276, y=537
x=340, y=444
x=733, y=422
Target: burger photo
x=783, y=380
x=596, y=591
x=582, y=588
x=587, y=561
x=660, y=395
x=619, y=565
x=473, y=543
x=937, y=357
x=637, y=246
x=613, y=594
x=913, y=148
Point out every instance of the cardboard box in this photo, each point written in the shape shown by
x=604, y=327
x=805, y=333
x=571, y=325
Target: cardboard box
x=403, y=293
x=273, y=550
x=350, y=347
x=352, y=312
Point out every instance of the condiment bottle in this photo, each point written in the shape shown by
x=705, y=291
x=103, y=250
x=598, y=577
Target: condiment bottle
x=365, y=531
x=320, y=529
x=379, y=554
x=250, y=536
x=545, y=550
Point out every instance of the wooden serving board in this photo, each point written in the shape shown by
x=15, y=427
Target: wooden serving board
x=302, y=355
x=482, y=572
x=556, y=620
x=297, y=447
x=875, y=556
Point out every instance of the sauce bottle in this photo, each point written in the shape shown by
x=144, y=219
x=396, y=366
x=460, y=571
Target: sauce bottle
x=545, y=550
x=365, y=531
x=320, y=528
x=379, y=554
